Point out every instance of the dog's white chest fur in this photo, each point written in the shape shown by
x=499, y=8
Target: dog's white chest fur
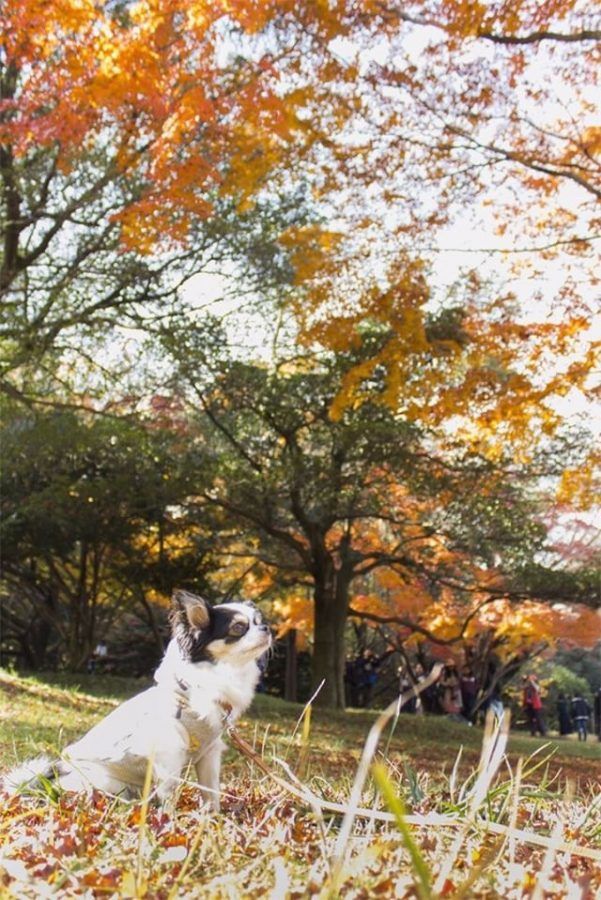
x=210, y=697
x=208, y=687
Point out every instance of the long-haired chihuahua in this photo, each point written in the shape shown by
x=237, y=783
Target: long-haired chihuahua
x=206, y=679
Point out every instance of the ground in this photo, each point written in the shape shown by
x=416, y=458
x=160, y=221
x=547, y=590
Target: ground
x=268, y=842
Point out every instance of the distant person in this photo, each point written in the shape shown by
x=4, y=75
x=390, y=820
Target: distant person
x=367, y=676
x=98, y=656
x=469, y=691
x=598, y=714
x=563, y=715
x=429, y=701
x=450, y=691
x=406, y=685
x=351, y=681
x=581, y=712
x=533, y=705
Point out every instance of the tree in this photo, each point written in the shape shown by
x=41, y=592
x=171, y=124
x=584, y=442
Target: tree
x=474, y=114
x=139, y=140
x=132, y=138
x=326, y=501
x=90, y=529
x=584, y=665
x=457, y=106
x=136, y=137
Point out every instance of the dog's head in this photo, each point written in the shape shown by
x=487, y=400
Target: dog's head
x=229, y=632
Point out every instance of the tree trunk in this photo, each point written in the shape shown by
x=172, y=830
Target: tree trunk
x=331, y=609
x=151, y=619
x=290, y=683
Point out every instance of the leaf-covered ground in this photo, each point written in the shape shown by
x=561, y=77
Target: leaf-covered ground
x=269, y=843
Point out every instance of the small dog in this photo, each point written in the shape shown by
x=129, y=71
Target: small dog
x=206, y=680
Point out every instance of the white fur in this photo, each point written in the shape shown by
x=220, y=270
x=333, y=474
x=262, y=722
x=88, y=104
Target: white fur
x=175, y=723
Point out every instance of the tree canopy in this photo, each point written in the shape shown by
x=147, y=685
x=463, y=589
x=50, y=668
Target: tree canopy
x=406, y=197
x=365, y=512
x=90, y=527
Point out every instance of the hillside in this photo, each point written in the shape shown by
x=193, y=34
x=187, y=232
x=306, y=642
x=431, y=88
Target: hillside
x=269, y=841
x=45, y=713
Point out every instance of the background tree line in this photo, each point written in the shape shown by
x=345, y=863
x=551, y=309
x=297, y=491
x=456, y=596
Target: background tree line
x=238, y=479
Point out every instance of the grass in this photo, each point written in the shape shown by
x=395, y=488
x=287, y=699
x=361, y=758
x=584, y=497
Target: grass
x=272, y=842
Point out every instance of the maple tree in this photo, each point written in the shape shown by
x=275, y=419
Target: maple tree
x=127, y=128
x=496, y=636
x=326, y=146
x=130, y=136
x=474, y=603
x=453, y=109
x=308, y=506
x=246, y=483
x=456, y=106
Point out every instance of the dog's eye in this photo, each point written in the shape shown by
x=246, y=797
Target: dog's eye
x=238, y=628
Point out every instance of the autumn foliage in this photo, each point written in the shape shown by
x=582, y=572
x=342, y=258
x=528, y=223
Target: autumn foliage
x=444, y=599
x=339, y=151
x=399, y=202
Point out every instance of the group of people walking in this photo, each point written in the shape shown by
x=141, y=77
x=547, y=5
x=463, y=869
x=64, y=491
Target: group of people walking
x=574, y=715
x=455, y=694
x=459, y=694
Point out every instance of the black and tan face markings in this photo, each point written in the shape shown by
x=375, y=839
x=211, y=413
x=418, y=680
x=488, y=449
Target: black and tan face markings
x=195, y=633
x=237, y=627
x=238, y=623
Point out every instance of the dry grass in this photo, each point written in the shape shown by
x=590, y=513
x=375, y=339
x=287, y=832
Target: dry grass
x=506, y=824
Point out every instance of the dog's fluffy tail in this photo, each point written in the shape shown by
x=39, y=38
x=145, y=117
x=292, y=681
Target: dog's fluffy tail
x=30, y=774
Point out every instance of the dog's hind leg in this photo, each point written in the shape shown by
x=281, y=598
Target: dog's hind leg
x=83, y=775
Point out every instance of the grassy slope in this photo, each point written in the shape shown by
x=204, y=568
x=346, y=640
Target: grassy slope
x=46, y=713
x=268, y=844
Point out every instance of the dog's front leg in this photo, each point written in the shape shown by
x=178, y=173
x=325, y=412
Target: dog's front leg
x=167, y=770
x=208, y=769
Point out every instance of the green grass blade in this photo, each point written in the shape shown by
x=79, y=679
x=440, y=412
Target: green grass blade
x=397, y=808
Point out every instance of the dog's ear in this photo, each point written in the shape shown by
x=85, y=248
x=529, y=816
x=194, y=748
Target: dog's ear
x=194, y=608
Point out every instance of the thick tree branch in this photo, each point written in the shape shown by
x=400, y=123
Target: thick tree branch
x=392, y=12
x=536, y=37
x=421, y=629
x=262, y=523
